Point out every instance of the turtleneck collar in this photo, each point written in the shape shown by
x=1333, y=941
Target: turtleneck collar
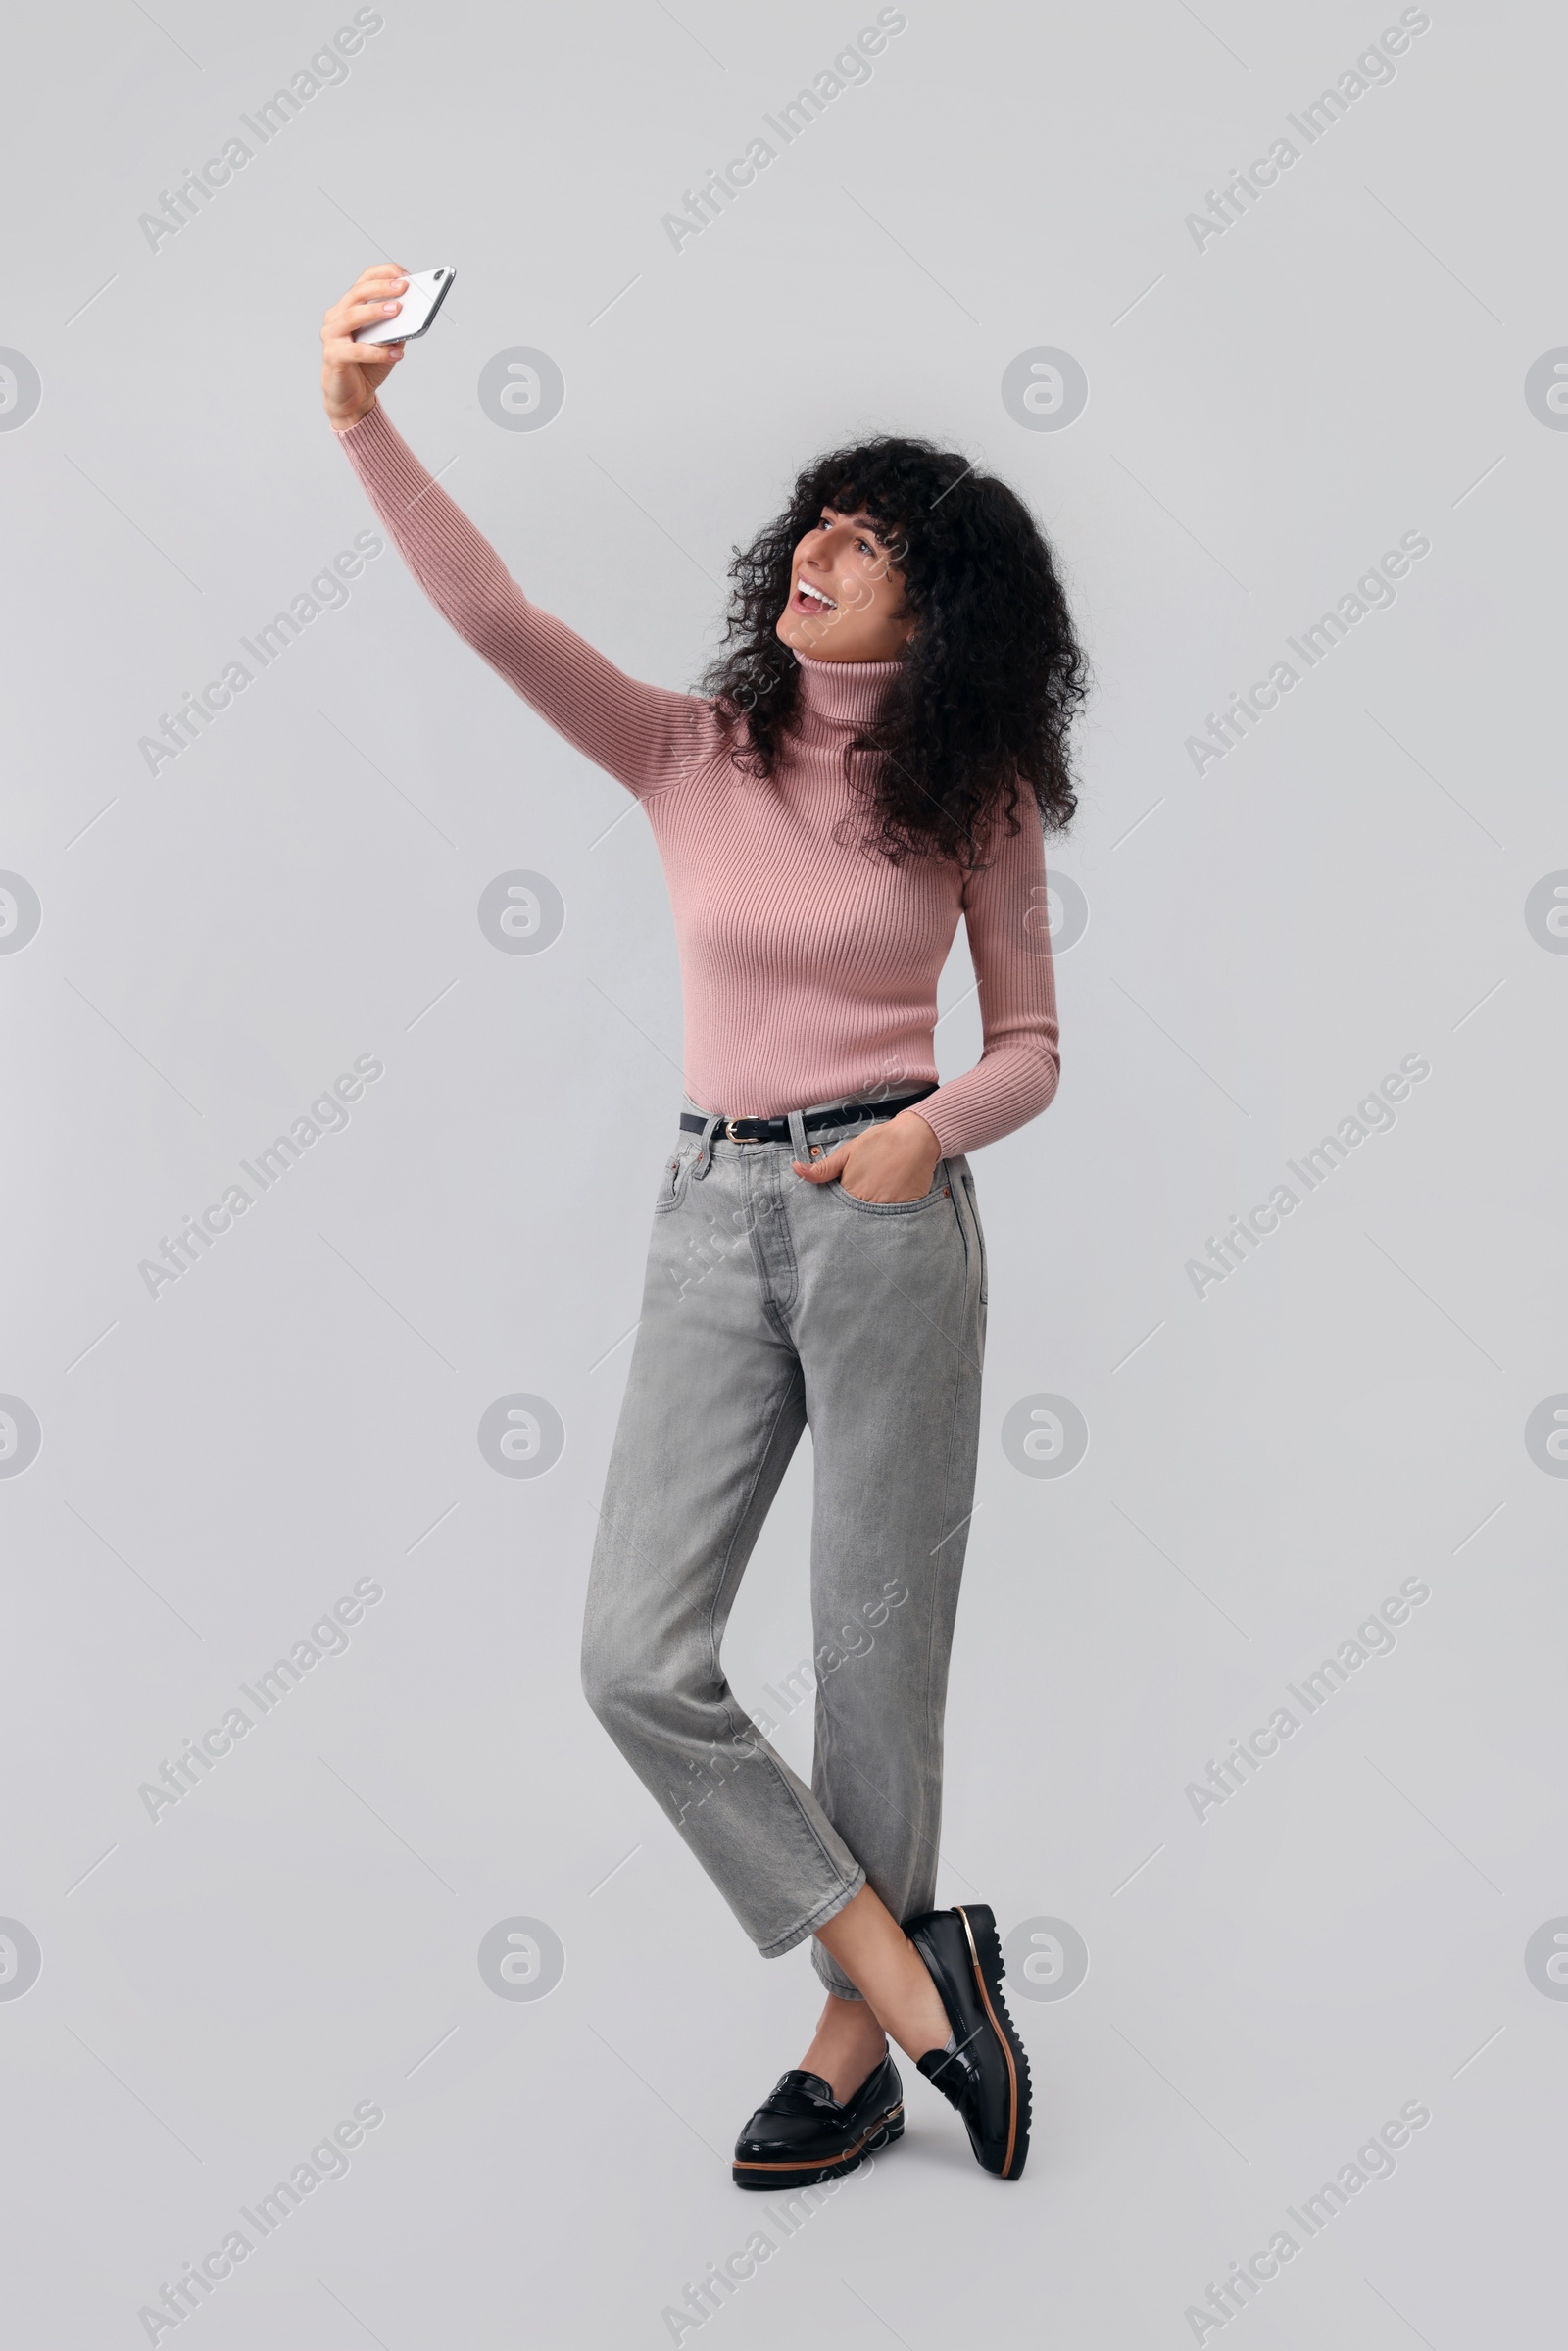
x=847, y=693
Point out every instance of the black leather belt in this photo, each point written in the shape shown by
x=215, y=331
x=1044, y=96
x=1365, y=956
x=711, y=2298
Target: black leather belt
x=777, y=1130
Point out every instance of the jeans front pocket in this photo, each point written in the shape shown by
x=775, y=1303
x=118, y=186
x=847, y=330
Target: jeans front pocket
x=941, y=1190
x=672, y=1183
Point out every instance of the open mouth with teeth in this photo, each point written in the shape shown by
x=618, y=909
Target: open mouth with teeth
x=808, y=599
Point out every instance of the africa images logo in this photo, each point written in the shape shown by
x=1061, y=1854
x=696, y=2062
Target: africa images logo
x=1373, y=70
x=705, y=203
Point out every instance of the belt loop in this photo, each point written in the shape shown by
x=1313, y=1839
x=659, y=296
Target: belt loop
x=705, y=1159
x=797, y=1120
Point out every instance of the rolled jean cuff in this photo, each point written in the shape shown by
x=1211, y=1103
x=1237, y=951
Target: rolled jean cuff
x=819, y=1918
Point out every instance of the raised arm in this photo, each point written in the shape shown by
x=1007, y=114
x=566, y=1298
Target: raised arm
x=1010, y=946
x=645, y=736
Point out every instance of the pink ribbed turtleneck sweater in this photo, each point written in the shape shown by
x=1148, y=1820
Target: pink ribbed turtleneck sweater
x=808, y=965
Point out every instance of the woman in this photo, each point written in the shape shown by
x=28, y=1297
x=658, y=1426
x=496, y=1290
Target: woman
x=879, y=751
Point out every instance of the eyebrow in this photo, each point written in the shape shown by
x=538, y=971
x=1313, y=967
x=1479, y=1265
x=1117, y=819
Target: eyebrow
x=857, y=523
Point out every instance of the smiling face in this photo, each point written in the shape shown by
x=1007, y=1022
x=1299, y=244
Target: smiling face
x=846, y=601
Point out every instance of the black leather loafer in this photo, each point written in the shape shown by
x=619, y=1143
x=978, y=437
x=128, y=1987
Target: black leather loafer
x=802, y=2134
x=987, y=2076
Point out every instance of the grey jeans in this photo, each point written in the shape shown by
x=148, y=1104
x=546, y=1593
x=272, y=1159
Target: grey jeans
x=770, y=1305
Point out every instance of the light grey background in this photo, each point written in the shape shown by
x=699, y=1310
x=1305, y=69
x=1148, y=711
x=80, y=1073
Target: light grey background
x=219, y=941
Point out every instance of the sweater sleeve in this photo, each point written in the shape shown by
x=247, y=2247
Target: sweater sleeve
x=1006, y=913
x=643, y=736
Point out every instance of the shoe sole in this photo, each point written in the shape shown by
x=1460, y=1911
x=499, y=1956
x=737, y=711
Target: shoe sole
x=985, y=1954
x=882, y=2132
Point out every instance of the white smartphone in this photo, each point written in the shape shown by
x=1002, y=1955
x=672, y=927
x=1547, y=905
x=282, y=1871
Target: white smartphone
x=427, y=291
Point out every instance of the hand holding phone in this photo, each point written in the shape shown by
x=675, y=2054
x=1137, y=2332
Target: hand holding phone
x=362, y=335
x=427, y=289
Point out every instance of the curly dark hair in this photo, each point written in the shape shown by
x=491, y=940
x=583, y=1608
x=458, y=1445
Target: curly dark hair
x=993, y=674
